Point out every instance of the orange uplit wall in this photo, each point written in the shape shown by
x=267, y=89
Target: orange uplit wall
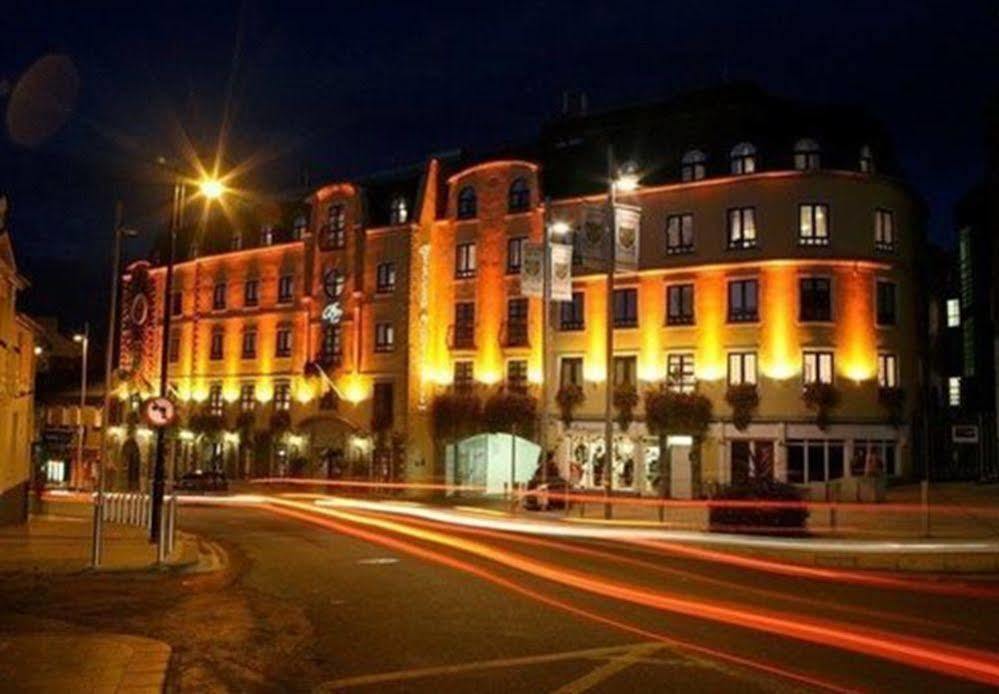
x=780, y=350
x=856, y=336
x=710, y=306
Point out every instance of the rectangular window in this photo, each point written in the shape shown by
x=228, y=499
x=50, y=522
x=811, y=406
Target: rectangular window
x=384, y=337
x=334, y=234
x=286, y=289
x=332, y=344
x=514, y=254
x=742, y=228
x=516, y=322
x=571, y=313
x=282, y=396
x=174, y=347
x=680, y=304
x=247, y=397
x=887, y=371
x=813, y=225
x=571, y=371
x=814, y=299
x=814, y=461
x=217, y=344
x=742, y=368
x=817, y=367
x=249, y=350
x=385, y=278
x=953, y=313
x=886, y=303
x=464, y=261
x=237, y=241
x=516, y=374
x=176, y=303
x=218, y=297
x=884, y=230
x=679, y=234
x=680, y=371
x=464, y=325
x=251, y=293
x=382, y=407
x=216, y=405
x=873, y=456
x=267, y=236
x=624, y=371
x=743, y=301
x=625, y=308
x=954, y=391
x=283, y=343
x=464, y=374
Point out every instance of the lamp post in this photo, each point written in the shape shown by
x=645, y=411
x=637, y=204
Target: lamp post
x=83, y=339
x=119, y=232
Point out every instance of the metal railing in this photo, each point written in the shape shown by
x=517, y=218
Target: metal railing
x=135, y=509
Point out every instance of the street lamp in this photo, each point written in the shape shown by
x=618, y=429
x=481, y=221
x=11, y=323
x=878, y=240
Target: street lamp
x=211, y=188
x=83, y=339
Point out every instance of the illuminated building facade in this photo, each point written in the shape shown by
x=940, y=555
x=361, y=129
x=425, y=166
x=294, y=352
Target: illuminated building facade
x=776, y=248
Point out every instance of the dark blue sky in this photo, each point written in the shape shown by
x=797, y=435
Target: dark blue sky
x=345, y=88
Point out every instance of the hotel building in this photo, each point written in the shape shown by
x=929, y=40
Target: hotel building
x=777, y=248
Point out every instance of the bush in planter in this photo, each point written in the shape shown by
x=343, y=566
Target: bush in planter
x=893, y=400
x=789, y=518
x=821, y=397
x=297, y=466
x=568, y=398
x=506, y=410
x=670, y=412
x=280, y=421
x=743, y=398
x=625, y=400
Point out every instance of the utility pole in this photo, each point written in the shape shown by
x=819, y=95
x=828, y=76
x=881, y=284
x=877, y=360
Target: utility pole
x=609, y=374
x=546, y=300
x=84, y=340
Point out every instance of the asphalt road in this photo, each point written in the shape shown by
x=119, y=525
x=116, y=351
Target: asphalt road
x=393, y=604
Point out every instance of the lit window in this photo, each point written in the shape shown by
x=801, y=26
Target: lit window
x=249, y=350
x=516, y=374
x=218, y=297
x=467, y=204
x=516, y=322
x=299, y=227
x=286, y=289
x=519, y=196
x=884, y=230
x=742, y=228
x=333, y=283
x=251, y=293
x=334, y=234
x=743, y=301
x=680, y=304
x=885, y=303
x=267, y=236
x=237, y=241
x=953, y=313
x=818, y=367
x=464, y=262
x=332, y=346
x=247, y=397
x=216, y=405
x=464, y=374
x=813, y=225
x=815, y=299
x=806, y=155
x=216, y=346
x=282, y=396
x=692, y=166
x=283, y=343
x=954, y=391
x=887, y=371
x=464, y=325
x=742, y=368
x=743, y=158
x=399, y=214
x=385, y=278
x=514, y=254
x=866, y=159
x=679, y=234
x=571, y=371
x=680, y=371
x=624, y=370
x=571, y=313
x=384, y=337
x=625, y=308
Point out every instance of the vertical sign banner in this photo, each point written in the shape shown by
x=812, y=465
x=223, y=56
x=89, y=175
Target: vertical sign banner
x=532, y=270
x=594, y=231
x=561, y=288
x=627, y=220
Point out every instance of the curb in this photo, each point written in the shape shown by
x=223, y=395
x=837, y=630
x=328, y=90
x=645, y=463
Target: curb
x=901, y=561
x=147, y=668
x=211, y=557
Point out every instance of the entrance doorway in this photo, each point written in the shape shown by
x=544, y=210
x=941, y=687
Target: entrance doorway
x=751, y=459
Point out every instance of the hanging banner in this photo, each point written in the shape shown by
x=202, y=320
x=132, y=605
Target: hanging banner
x=532, y=270
x=627, y=220
x=594, y=232
x=561, y=288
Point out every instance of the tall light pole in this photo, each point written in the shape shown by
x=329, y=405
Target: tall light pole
x=119, y=233
x=83, y=339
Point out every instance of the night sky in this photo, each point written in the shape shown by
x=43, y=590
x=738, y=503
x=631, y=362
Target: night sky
x=340, y=89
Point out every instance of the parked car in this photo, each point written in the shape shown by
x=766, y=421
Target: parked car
x=202, y=481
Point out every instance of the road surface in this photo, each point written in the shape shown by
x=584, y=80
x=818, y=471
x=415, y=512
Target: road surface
x=390, y=603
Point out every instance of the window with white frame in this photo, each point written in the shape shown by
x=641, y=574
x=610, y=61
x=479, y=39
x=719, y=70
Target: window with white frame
x=743, y=301
x=571, y=371
x=283, y=343
x=886, y=302
x=679, y=234
x=299, y=227
x=464, y=374
x=680, y=304
x=216, y=346
x=399, y=212
x=884, y=230
x=236, y=242
x=247, y=397
x=680, y=371
x=218, y=296
x=887, y=370
x=866, y=159
x=624, y=370
x=519, y=195
x=954, y=391
x=467, y=203
x=817, y=366
x=742, y=228
x=385, y=278
x=384, y=337
x=282, y=396
x=806, y=154
x=741, y=368
x=743, y=158
x=693, y=165
x=286, y=289
x=953, y=313
x=814, y=299
x=251, y=293
x=267, y=236
x=572, y=314
x=516, y=374
x=813, y=225
x=817, y=460
x=464, y=260
x=249, y=350
x=514, y=254
x=216, y=405
x=874, y=456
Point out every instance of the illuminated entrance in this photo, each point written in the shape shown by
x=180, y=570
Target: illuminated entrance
x=490, y=461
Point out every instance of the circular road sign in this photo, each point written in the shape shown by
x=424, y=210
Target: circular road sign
x=159, y=412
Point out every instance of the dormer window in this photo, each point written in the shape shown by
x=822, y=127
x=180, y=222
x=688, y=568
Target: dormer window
x=237, y=241
x=743, y=158
x=267, y=236
x=806, y=155
x=693, y=165
x=866, y=160
x=399, y=211
x=334, y=234
x=467, y=203
x=519, y=197
x=299, y=226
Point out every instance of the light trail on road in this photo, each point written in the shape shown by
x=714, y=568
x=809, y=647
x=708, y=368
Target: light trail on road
x=926, y=654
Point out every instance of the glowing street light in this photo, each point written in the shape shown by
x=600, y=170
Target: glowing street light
x=211, y=188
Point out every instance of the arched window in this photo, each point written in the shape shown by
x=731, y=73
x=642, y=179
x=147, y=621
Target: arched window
x=743, y=158
x=298, y=227
x=467, y=206
x=806, y=154
x=866, y=159
x=400, y=210
x=267, y=235
x=519, y=197
x=237, y=241
x=692, y=166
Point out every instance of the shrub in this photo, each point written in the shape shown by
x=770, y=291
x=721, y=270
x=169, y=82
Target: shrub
x=455, y=414
x=625, y=400
x=569, y=397
x=785, y=519
x=821, y=397
x=280, y=421
x=506, y=410
x=743, y=399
